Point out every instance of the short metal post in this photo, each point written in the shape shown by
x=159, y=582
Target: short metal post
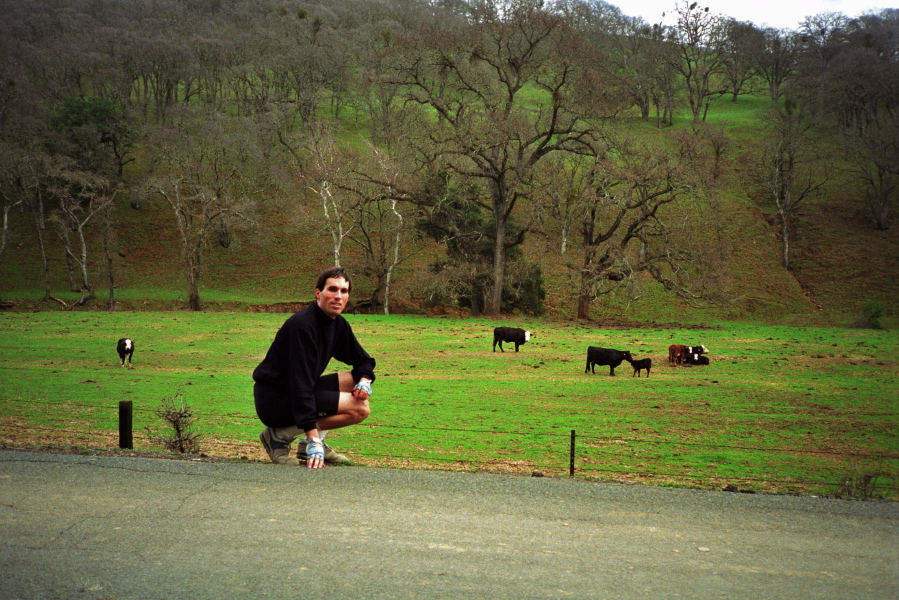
x=571, y=462
x=126, y=416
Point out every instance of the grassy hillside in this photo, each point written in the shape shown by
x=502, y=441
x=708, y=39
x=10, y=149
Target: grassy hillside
x=841, y=262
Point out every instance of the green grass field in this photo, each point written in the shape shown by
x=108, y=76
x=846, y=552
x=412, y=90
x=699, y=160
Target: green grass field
x=779, y=409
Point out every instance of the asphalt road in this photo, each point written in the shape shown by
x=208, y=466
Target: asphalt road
x=104, y=528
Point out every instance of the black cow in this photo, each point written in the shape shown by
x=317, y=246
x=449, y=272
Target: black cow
x=510, y=335
x=126, y=349
x=606, y=356
x=639, y=365
x=694, y=358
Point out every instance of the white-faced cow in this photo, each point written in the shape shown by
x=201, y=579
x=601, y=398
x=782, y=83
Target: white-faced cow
x=694, y=358
x=511, y=335
x=605, y=356
x=126, y=349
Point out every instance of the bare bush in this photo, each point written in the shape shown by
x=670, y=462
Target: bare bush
x=180, y=418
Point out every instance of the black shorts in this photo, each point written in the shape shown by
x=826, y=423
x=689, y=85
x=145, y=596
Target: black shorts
x=273, y=405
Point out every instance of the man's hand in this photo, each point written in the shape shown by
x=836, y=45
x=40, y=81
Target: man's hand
x=315, y=453
x=362, y=390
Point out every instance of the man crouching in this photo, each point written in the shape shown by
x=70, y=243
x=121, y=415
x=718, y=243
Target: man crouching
x=291, y=394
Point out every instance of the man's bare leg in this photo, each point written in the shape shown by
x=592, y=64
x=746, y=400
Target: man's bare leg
x=352, y=408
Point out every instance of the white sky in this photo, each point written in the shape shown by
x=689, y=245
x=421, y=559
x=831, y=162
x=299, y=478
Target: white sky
x=780, y=14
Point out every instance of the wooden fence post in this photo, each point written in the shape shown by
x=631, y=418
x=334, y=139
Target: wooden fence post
x=126, y=417
x=571, y=461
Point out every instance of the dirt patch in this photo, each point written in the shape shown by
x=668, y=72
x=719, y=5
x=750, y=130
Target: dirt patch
x=277, y=307
x=624, y=324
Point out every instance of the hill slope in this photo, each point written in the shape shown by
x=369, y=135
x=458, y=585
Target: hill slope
x=840, y=263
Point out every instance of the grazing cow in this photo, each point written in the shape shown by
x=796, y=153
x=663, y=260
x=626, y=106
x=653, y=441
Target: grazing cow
x=605, y=356
x=126, y=349
x=510, y=335
x=694, y=358
x=677, y=353
x=639, y=365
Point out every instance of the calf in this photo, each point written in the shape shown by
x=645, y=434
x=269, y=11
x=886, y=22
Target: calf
x=639, y=365
x=606, y=356
x=126, y=349
x=511, y=335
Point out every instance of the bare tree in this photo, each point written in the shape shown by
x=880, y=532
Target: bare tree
x=699, y=38
x=788, y=170
x=508, y=90
x=381, y=225
x=27, y=174
x=82, y=196
x=8, y=191
x=207, y=170
x=322, y=167
x=777, y=61
x=108, y=237
x=560, y=186
x=859, y=91
x=643, y=60
x=819, y=33
x=624, y=231
x=741, y=47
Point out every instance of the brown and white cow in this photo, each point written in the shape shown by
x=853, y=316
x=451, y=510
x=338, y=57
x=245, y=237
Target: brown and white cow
x=677, y=353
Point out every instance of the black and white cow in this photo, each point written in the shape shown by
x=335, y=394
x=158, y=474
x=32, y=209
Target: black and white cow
x=126, y=349
x=606, y=356
x=677, y=353
x=510, y=335
x=694, y=358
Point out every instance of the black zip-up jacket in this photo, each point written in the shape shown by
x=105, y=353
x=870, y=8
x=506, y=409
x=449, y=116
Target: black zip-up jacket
x=299, y=355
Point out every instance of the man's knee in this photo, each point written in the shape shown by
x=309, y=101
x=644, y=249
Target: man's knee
x=359, y=411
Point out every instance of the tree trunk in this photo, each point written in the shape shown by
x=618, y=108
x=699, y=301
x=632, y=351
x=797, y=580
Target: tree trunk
x=785, y=238
x=37, y=212
x=396, y=257
x=882, y=216
x=493, y=302
x=87, y=290
x=107, y=246
x=193, y=259
x=5, y=231
x=583, y=306
x=585, y=291
x=70, y=267
x=882, y=191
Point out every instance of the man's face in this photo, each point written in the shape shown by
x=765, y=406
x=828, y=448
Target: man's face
x=334, y=297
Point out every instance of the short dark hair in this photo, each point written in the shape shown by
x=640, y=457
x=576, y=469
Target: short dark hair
x=336, y=272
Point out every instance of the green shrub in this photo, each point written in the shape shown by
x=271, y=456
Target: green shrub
x=872, y=311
